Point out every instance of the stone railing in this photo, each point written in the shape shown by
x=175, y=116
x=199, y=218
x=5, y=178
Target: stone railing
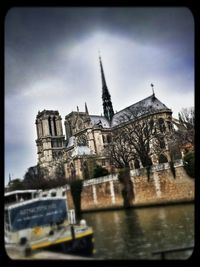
x=136, y=172
x=178, y=163
x=99, y=180
x=158, y=167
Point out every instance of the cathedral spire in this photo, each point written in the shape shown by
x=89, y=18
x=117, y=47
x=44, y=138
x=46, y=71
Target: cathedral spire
x=107, y=104
x=86, y=109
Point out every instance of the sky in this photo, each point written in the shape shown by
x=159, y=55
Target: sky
x=51, y=62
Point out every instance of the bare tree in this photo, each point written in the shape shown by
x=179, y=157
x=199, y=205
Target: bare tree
x=138, y=135
x=135, y=136
x=187, y=118
x=119, y=149
x=186, y=126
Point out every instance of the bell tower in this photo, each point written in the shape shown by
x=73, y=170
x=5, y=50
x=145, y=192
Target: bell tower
x=50, y=138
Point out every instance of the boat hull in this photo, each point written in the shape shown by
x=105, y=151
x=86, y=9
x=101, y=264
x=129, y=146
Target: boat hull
x=79, y=243
x=82, y=246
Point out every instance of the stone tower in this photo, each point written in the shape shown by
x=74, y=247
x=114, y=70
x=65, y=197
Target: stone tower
x=50, y=138
x=107, y=104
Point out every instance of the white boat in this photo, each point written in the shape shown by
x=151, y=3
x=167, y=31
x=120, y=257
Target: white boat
x=35, y=220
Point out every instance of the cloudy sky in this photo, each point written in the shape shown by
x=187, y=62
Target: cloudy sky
x=51, y=62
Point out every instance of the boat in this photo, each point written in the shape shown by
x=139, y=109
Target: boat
x=36, y=220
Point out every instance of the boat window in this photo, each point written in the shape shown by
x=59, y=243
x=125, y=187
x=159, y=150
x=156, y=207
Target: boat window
x=53, y=194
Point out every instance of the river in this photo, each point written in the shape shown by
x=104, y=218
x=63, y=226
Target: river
x=136, y=233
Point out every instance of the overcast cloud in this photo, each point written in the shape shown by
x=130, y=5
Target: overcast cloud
x=51, y=62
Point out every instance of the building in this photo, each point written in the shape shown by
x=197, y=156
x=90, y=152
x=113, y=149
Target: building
x=87, y=136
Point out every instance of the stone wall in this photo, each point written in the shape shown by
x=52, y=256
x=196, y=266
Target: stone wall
x=162, y=187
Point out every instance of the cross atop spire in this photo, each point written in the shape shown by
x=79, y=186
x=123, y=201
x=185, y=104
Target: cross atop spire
x=107, y=104
x=152, y=85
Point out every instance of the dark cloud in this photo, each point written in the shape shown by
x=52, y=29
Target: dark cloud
x=32, y=34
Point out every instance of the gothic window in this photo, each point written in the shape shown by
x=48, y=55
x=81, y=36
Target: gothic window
x=42, y=131
x=162, y=159
x=146, y=132
x=161, y=125
x=162, y=142
x=85, y=170
x=151, y=123
x=49, y=121
x=137, y=164
x=80, y=125
x=169, y=124
x=109, y=138
x=54, y=124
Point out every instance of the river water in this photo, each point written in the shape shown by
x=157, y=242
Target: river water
x=136, y=233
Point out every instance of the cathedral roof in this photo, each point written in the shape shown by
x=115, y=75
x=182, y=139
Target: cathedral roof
x=149, y=105
x=100, y=121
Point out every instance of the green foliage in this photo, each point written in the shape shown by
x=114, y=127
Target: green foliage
x=188, y=162
x=76, y=190
x=16, y=184
x=100, y=171
x=38, y=177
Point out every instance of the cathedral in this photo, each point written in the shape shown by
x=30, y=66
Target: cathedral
x=86, y=137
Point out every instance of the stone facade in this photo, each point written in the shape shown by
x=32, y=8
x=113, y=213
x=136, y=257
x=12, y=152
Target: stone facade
x=87, y=136
x=50, y=139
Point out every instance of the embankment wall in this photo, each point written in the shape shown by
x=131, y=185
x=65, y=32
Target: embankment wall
x=162, y=187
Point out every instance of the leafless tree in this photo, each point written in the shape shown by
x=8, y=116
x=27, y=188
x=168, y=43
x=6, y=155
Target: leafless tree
x=186, y=126
x=187, y=118
x=139, y=135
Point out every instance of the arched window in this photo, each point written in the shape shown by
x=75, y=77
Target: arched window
x=109, y=138
x=169, y=124
x=137, y=164
x=54, y=124
x=162, y=142
x=85, y=170
x=104, y=139
x=161, y=125
x=49, y=121
x=162, y=159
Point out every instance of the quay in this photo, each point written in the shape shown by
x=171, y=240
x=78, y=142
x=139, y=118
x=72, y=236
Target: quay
x=17, y=253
